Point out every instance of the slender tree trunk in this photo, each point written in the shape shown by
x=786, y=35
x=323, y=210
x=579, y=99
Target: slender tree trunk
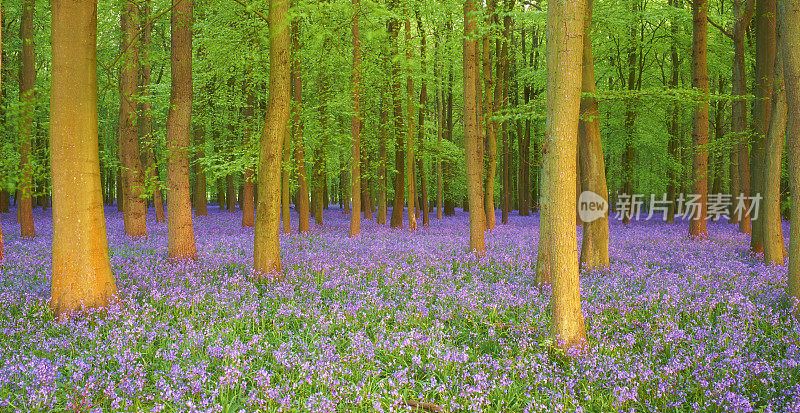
x=565, y=24
x=594, y=249
x=765, y=60
x=501, y=97
x=267, y=257
x=28, y=100
x=742, y=20
x=355, y=213
x=81, y=268
x=474, y=163
x=201, y=203
x=399, y=158
x=179, y=123
x=790, y=43
x=3, y=192
x=774, y=247
x=302, y=205
x=384, y=116
x=248, y=185
x=230, y=193
x=490, y=127
x=135, y=205
x=697, y=225
x=146, y=117
x=410, y=132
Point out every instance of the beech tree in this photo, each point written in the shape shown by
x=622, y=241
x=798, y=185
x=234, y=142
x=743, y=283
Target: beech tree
x=355, y=212
x=697, y=226
x=790, y=43
x=565, y=31
x=134, y=205
x=27, y=99
x=472, y=143
x=594, y=248
x=267, y=258
x=179, y=201
x=81, y=267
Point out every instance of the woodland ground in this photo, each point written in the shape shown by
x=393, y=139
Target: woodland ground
x=365, y=324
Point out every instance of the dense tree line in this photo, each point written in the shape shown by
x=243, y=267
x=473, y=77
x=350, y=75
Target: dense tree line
x=280, y=110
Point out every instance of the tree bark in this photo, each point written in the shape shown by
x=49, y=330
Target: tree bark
x=383, y=183
x=774, y=247
x=765, y=60
x=179, y=123
x=487, y=125
x=790, y=43
x=474, y=162
x=355, y=124
x=134, y=206
x=28, y=99
x=81, y=268
x=399, y=158
x=742, y=20
x=302, y=205
x=146, y=117
x=697, y=225
x=267, y=259
x=410, y=132
x=594, y=249
x=565, y=26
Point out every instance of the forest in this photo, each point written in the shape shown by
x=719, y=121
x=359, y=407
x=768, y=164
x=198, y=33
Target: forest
x=399, y=205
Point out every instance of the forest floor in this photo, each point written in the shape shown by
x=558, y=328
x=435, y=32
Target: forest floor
x=390, y=318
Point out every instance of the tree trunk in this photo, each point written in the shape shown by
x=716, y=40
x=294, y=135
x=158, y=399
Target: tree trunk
x=135, y=206
x=765, y=60
x=565, y=24
x=302, y=205
x=384, y=116
x=286, y=193
x=399, y=158
x=267, y=257
x=179, y=123
x=790, y=43
x=773, y=233
x=697, y=225
x=594, y=249
x=3, y=192
x=410, y=132
x=487, y=109
x=742, y=20
x=81, y=269
x=355, y=124
x=146, y=118
x=28, y=99
x=230, y=193
x=473, y=146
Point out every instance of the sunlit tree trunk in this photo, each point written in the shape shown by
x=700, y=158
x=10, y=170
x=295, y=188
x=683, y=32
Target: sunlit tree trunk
x=423, y=102
x=474, y=162
x=28, y=100
x=179, y=124
x=267, y=258
x=489, y=127
x=81, y=268
x=790, y=43
x=135, y=206
x=697, y=225
x=765, y=59
x=594, y=249
x=565, y=26
x=355, y=213
x=771, y=211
